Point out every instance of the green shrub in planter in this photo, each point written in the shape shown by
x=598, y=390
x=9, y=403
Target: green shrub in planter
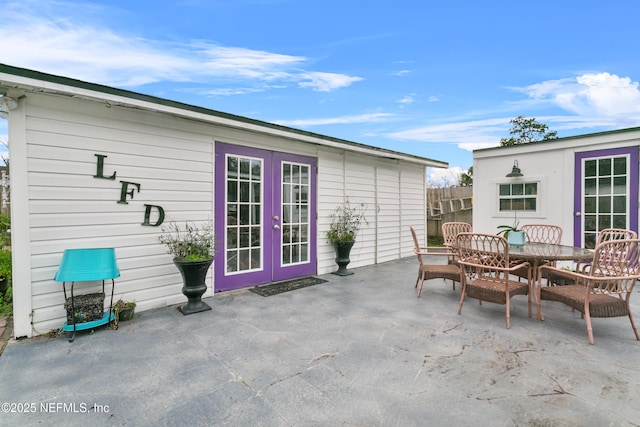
x=5, y=269
x=124, y=310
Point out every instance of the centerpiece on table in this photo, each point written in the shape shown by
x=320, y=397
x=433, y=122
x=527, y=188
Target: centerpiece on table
x=345, y=225
x=193, y=250
x=515, y=237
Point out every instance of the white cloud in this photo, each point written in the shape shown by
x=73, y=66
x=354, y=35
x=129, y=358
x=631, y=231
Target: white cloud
x=63, y=41
x=592, y=101
x=470, y=146
x=595, y=94
x=406, y=100
x=468, y=135
x=401, y=73
x=439, y=177
x=231, y=91
x=363, y=118
x=326, y=82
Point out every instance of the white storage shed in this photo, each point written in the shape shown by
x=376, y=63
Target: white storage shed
x=96, y=166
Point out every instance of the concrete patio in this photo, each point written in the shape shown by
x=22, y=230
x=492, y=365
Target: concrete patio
x=360, y=350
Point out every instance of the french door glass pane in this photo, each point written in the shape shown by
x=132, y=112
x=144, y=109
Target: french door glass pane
x=295, y=213
x=605, y=201
x=244, y=212
x=620, y=185
x=620, y=166
x=604, y=167
x=619, y=221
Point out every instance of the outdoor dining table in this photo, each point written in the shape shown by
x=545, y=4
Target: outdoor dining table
x=537, y=254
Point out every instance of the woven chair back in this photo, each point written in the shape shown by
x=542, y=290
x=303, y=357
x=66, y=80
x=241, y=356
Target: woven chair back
x=451, y=229
x=486, y=250
x=543, y=233
x=615, y=234
x=616, y=259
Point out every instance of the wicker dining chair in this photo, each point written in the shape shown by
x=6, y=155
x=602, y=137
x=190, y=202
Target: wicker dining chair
x=540, y=233
x=604, y=289
x=449, y=232
x=432, y=271
x=485, y=270
x=604, y=236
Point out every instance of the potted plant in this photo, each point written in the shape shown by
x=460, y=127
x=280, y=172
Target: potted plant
x=192, y=248
x=345, y=225
x=124, y=311
x=513, y=234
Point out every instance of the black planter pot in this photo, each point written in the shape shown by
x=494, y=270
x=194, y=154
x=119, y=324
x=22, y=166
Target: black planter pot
x=194, y=274
x=4, y=285
x=343, y=249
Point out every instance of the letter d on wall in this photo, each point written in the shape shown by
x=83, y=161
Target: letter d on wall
x=147, y=215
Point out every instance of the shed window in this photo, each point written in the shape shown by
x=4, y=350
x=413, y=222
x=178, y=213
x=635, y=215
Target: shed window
x=519, y=197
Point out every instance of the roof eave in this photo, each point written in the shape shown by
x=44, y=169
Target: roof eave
x=35, y=81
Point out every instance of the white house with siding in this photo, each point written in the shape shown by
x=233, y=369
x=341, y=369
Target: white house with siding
x=94, y=166
x=583, y=183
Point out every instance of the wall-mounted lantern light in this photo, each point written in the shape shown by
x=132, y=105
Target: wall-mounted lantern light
x=10, y=103
x=515, y=172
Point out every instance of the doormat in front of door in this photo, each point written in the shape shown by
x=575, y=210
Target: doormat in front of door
x=289, y=285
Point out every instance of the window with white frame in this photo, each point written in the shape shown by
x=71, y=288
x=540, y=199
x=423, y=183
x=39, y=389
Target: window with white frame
x=518, y=197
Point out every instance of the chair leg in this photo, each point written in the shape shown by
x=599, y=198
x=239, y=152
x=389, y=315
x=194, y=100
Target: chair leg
x=462, y=294
x=421, y=280
x=508, y=312
x=587, y=316
x=633, y=325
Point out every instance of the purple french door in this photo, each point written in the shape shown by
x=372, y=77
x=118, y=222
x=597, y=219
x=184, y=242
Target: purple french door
x=265, y=216
x=606, y=193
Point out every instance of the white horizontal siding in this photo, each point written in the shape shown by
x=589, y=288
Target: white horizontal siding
x=394, y=193
x=173, y=161
x=330, y=192
x=388, y=212
x=360, y=189
x=69, y=208
x=413, y=196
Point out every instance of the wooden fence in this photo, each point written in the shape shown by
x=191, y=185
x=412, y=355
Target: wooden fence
x=448, y=205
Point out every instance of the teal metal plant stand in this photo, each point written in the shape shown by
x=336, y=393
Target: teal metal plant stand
x=87, y=265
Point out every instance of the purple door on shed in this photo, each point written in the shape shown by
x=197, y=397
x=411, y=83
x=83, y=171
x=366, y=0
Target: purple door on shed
x=605, y=193
x=265, y=216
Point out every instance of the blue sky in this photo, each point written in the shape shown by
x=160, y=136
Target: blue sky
x=431, y=78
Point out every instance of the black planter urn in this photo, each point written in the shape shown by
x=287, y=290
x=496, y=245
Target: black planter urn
x=194, y=274
x=343, y=249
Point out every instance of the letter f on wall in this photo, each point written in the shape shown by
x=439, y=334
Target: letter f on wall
x=126, y=192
